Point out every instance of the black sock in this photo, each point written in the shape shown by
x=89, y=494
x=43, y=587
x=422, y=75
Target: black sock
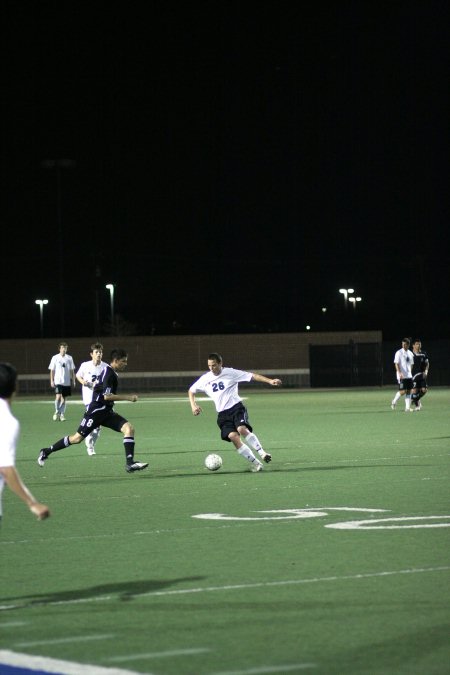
x=128, y=444
x=59, y=445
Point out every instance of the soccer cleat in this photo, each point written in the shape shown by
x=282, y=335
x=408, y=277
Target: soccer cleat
x=136, y=466
x=56, y=417
x=256, y=466
x=267, y=457
x=418, y=406
x=62, y=418
x=42, y=457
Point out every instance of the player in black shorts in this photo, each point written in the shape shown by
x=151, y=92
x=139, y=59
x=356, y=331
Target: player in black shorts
x=100, y=412
x=420, y=373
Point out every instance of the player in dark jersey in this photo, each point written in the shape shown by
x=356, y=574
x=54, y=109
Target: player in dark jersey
x=420, y=373
x=100, y=413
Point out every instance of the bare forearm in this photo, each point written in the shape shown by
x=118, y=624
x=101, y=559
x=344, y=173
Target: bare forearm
x=275, y=382
x=15, y=483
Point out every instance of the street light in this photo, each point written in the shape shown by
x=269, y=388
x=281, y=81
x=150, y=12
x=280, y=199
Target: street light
x=110, y=288
x=345, y=292
x=58, y=165
x=354, y=301
x=41, y=304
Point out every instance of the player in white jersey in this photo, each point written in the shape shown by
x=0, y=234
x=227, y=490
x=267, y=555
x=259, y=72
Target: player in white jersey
x=9, y=435
x=87, y=376
x=403, y=362
x=221, y=385
x=62, y=377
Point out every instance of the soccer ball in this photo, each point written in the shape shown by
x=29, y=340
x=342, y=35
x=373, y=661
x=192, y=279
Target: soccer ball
x=213, y=462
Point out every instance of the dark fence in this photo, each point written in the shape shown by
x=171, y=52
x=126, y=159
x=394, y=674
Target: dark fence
x=350, y=365
x=156, y=363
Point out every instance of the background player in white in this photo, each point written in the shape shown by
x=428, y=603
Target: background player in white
x=221, y=384
x=62, y=377
x=87, y=376
x=403, y=362
x=9, y=435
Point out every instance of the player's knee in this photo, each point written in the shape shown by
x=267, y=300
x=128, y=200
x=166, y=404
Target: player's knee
x=128, y=429
x=234, y=438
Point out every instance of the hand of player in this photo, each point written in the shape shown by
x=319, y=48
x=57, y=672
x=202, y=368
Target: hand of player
x=197, y=410
x=276, y=382
x=40, y=510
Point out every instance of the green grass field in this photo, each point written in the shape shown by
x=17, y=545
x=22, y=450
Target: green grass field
x=334, y=559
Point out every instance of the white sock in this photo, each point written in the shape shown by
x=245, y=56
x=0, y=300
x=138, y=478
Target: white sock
x=254, y=443
x=245, y=451
x=396, y=397
x=94, y=435
x=407, y=402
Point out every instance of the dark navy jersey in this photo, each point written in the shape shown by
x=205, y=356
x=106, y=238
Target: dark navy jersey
x=107, y=383
x=421, y=363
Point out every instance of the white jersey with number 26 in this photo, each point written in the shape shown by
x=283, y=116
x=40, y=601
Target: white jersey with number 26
x=223, y=388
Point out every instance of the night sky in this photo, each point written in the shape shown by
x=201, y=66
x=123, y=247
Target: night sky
x=232, y=166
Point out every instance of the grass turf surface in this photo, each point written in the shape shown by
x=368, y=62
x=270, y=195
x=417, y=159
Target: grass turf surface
x=124, y=576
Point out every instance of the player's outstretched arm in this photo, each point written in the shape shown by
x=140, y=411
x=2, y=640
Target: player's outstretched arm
x=274, y=382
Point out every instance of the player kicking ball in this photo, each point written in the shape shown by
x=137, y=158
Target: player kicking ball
x=221, y=385
x=100, y=413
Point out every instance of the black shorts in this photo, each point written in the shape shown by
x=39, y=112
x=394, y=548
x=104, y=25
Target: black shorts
x=229, y=420
x=420, y=381
x=61, y=389
x=406, y=384
x=104, y=417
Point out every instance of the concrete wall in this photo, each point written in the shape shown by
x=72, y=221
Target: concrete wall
x=157, y=363
x=261, y=351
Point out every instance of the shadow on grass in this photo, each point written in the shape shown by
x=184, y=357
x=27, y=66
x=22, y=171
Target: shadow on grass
x=124, y=591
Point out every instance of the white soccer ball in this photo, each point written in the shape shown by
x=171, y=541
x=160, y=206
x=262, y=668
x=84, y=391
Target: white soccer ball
x=213, y=462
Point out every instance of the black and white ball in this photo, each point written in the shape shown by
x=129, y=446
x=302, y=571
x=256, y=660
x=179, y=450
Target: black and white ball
x=213, y=462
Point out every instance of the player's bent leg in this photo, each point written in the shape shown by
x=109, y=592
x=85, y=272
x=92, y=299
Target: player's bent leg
x=253, y=441
x=245, y=452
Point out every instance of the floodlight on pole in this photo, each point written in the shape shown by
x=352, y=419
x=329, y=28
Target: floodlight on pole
x=41, y=304
x=345, y=292
x=354, y=300
x=58, y=165
x=110, y=288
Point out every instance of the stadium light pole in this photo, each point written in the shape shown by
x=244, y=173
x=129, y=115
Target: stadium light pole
x=345, y=292
x=58, y=165
x=110, y=288
x=354, y=301
x=41, y=304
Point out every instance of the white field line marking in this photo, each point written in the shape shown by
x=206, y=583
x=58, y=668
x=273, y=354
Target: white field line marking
x=62, y=641
x=47, y=665
x=184, y=400
x=232, y=587
x=262, y=670
x=159, y=655
x=13, y=624
x=374, y=524
x=291, y=514
x=295, y=582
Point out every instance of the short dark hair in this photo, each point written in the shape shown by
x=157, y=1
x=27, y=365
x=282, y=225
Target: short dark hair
x=118, y=354
x=214, y=356
x=407, y=340
x=8, y=379
x=97, y=345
